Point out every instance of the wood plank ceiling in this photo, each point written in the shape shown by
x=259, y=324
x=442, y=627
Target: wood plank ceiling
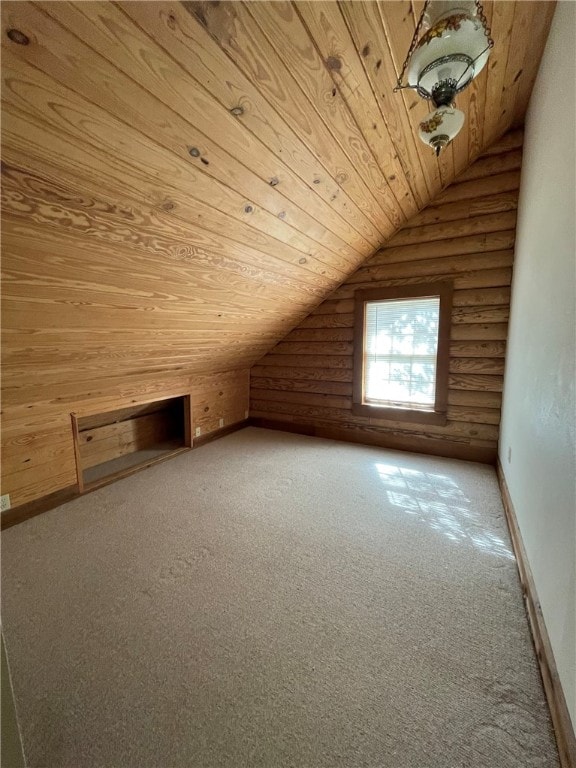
x=184, y=182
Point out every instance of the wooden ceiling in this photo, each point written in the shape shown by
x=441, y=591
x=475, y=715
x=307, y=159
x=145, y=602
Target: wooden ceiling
x=184, y=182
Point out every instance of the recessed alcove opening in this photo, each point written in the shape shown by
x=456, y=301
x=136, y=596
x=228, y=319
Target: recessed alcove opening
x=116, y=443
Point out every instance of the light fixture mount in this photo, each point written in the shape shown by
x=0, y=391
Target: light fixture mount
x=450, y=47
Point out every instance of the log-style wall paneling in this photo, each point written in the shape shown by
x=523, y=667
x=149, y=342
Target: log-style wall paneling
x=305, y=382
x=183, y=183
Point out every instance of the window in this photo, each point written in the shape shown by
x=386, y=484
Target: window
x=401, y=342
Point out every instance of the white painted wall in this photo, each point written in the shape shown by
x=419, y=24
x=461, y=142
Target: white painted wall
x=539, y=410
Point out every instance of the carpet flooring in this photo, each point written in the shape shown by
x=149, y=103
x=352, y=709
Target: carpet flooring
x=275, y=600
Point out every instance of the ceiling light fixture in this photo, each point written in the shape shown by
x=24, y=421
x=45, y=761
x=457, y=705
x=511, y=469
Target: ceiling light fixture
x=450, y=47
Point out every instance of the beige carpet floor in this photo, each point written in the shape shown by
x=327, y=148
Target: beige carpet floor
x=275, y=600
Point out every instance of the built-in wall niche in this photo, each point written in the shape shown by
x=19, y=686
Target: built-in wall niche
x=116, y=443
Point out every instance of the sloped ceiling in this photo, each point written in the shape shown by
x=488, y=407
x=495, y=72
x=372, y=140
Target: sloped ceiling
x=184, y=182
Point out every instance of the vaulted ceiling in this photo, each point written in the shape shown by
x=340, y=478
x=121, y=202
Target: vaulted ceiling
x=184, y=182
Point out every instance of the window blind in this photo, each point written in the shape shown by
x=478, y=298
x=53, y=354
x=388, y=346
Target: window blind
x=400, y=349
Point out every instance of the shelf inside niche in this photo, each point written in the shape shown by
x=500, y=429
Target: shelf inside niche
x=114, y=444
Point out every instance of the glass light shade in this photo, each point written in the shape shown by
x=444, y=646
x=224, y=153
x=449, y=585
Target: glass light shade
x=454, y=50
x=438, y=9
x=440, y=127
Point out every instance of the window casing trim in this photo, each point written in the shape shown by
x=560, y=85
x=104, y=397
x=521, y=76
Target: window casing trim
x=437, y=416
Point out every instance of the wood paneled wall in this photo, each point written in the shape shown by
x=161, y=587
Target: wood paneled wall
x=37, y=447
x=466, y=235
